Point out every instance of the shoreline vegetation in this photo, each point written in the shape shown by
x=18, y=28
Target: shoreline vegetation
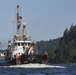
x=62, y=49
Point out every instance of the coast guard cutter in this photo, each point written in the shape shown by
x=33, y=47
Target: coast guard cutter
x=23, y=50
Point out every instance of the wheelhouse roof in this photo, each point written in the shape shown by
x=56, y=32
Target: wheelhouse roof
x=22, y=42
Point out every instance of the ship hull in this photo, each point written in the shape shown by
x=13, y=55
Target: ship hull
x=34, y=59
x=9, y=61
x=25, y=59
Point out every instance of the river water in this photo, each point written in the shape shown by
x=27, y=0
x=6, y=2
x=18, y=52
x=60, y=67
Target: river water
x=51, y=69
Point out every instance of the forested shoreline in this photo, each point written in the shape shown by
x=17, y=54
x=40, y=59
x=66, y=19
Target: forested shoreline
x=62, y=49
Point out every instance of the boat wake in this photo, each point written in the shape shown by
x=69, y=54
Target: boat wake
x=33, y=66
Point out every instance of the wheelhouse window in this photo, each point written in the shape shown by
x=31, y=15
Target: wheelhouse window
x=25, y=44
x=22, y=44
x=18, y=44
x=29, y=44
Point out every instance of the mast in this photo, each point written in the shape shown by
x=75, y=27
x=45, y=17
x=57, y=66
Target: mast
x=23, y=30
x=18, y=21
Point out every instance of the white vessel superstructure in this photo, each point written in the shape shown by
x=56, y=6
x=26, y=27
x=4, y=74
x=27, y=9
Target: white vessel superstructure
x=21, y=43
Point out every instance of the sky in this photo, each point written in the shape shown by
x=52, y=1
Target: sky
x=45, y=19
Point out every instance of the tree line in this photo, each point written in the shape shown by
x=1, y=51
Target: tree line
x=62, y=49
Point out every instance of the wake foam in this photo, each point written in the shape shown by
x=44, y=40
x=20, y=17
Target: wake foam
x=34, y=66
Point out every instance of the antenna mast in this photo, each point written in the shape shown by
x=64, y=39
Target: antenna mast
x=23, y=30
x=18, y=21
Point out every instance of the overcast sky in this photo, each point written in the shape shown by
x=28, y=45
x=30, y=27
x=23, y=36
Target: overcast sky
x=45, y=19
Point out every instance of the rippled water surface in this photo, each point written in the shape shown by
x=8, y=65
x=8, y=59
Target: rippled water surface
x=54, y=69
